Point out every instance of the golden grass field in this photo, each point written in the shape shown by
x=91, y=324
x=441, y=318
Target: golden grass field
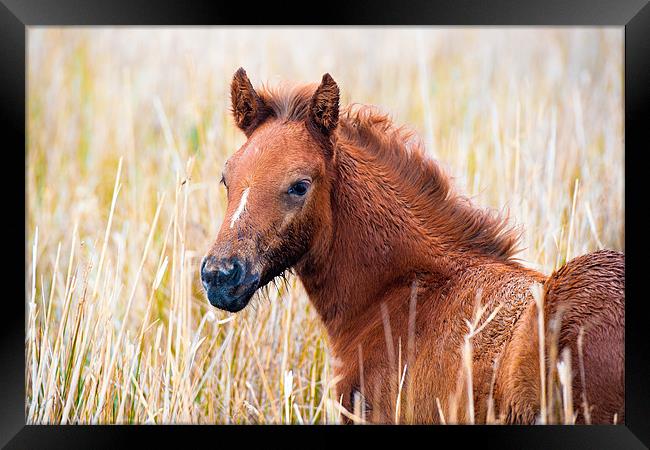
x=128, y=130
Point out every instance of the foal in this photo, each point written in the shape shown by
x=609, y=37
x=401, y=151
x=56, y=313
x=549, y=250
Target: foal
x=396, y=264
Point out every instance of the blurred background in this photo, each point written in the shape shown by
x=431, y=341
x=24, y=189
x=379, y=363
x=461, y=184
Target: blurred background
x=128, y=129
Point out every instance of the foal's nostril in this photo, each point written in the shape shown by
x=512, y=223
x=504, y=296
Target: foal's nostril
x=229, y=283
x=207, y=276
x=227, y=273
x=238, y=271
x=230, y=271
x=210, y=271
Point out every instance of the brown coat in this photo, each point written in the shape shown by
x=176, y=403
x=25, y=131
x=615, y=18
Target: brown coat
x=396, y=263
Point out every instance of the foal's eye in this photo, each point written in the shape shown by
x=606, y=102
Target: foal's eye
x=223, y=181
x=300, y=188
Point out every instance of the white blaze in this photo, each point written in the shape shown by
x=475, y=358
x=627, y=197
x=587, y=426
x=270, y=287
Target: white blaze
x=240, y=208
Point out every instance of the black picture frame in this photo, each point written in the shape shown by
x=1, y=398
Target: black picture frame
x=17, y=15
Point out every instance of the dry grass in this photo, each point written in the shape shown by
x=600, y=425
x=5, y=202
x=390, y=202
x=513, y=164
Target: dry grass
x=128, y=130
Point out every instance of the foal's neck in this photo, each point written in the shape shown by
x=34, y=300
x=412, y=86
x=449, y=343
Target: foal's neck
x=377, y=242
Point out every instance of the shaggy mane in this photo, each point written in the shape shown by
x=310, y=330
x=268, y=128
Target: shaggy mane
x=403, y=153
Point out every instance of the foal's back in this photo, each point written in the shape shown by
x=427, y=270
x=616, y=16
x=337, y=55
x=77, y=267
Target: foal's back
x=588, y=294
x=591, y=291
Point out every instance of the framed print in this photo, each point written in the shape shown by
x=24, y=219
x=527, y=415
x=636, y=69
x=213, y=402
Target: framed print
x=414, y=219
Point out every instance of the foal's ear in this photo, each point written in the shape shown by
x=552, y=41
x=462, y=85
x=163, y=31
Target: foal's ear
x=324, y=106
x=248, y=108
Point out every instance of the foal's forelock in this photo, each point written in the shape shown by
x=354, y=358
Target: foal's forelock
x=289, y=102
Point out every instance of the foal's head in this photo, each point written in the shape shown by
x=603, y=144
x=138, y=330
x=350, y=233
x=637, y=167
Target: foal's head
x=278, y=188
